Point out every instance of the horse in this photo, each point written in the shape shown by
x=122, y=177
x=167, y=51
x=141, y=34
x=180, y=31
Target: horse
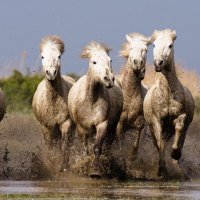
x=50, y=99
x=95, y=101
x=168, y=105
x=135, y=53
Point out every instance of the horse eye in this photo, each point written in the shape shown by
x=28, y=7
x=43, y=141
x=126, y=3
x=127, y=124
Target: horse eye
x=42, y=57
x=170, y=46
x=146, y=50
x=111, y=61
x=94, y=63
x=59, y=56
x=153, y=45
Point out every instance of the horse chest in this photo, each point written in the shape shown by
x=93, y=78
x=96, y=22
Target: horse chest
x=56, y=110
x=167, y=103
x=133, y=108
x=90, y=115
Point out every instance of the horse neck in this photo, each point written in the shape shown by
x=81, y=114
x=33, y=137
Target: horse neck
x=93, y=89
x=131, y=84
x=55, y=86
x=170, y=75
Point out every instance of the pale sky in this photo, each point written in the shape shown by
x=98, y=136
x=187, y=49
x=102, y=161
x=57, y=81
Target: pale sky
x=24, y=22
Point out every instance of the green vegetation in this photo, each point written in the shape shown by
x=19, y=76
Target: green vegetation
x=19, y=90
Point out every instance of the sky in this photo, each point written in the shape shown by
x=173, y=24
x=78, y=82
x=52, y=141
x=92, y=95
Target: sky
x=24, y=22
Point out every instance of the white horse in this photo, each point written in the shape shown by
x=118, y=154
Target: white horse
x=168, y=105
x=92, y=105
x=50, y=99
x=132, y=118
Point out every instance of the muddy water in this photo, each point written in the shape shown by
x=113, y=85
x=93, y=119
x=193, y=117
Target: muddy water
x=72, y=187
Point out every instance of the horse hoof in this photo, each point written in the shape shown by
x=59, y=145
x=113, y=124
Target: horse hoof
x=162, y=172
x=176, y=154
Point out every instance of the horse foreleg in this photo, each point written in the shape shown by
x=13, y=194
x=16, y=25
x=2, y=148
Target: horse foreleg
x=119, y=130
x=82, y=133
x=101, y=130
x=156, y=130
x=64, y=144
x=179, y=137
x=48, y=137
x=139, y=125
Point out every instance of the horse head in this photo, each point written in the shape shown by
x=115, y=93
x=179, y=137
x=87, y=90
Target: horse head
x=163, y=51
x=135, y=51
x=99, y=63
x=51, y=47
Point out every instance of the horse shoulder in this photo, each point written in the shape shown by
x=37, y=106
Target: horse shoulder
x=68, y=80
x=77, y=91
x=76, y=97
x=116, y=98
x=39, y=94
x=151, y=104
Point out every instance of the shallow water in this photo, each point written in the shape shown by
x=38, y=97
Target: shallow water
x=72, y=187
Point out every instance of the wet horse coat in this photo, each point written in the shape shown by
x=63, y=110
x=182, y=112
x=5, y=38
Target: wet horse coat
x=168, y=105
x=95, y=102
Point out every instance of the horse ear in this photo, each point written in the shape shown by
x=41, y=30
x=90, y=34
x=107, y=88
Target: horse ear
x=85, y=54
x=174, y=36
x=149, y=40
x=129, y=39
x=154, y=36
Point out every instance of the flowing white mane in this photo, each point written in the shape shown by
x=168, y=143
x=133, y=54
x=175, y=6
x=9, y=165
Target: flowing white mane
x=164, y=33
x=52, y=42
x=92, y=47
x=126, y=46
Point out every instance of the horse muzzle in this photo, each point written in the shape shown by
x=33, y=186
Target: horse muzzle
x=158, y=68
x=159, y=65
x=51, y=75
x=109, y=82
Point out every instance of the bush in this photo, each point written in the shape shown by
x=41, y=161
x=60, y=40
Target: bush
x=19, y=90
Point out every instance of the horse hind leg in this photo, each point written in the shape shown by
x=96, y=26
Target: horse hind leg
x=180, y=133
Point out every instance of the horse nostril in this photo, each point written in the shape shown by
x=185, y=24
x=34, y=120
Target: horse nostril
x=142, y=62
x=105, y=78
x=135, y=61
x=161, y=62
x=113, y=78
x=47, y=72
x=55, y=72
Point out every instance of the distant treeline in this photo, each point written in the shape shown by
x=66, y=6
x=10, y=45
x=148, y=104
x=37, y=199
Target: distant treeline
x=19, y=90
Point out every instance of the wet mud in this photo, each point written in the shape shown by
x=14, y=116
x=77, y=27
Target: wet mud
x=24, y=157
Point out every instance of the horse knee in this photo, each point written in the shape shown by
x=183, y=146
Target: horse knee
x=179, y=122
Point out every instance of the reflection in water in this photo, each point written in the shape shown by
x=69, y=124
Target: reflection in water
x=82, y=188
